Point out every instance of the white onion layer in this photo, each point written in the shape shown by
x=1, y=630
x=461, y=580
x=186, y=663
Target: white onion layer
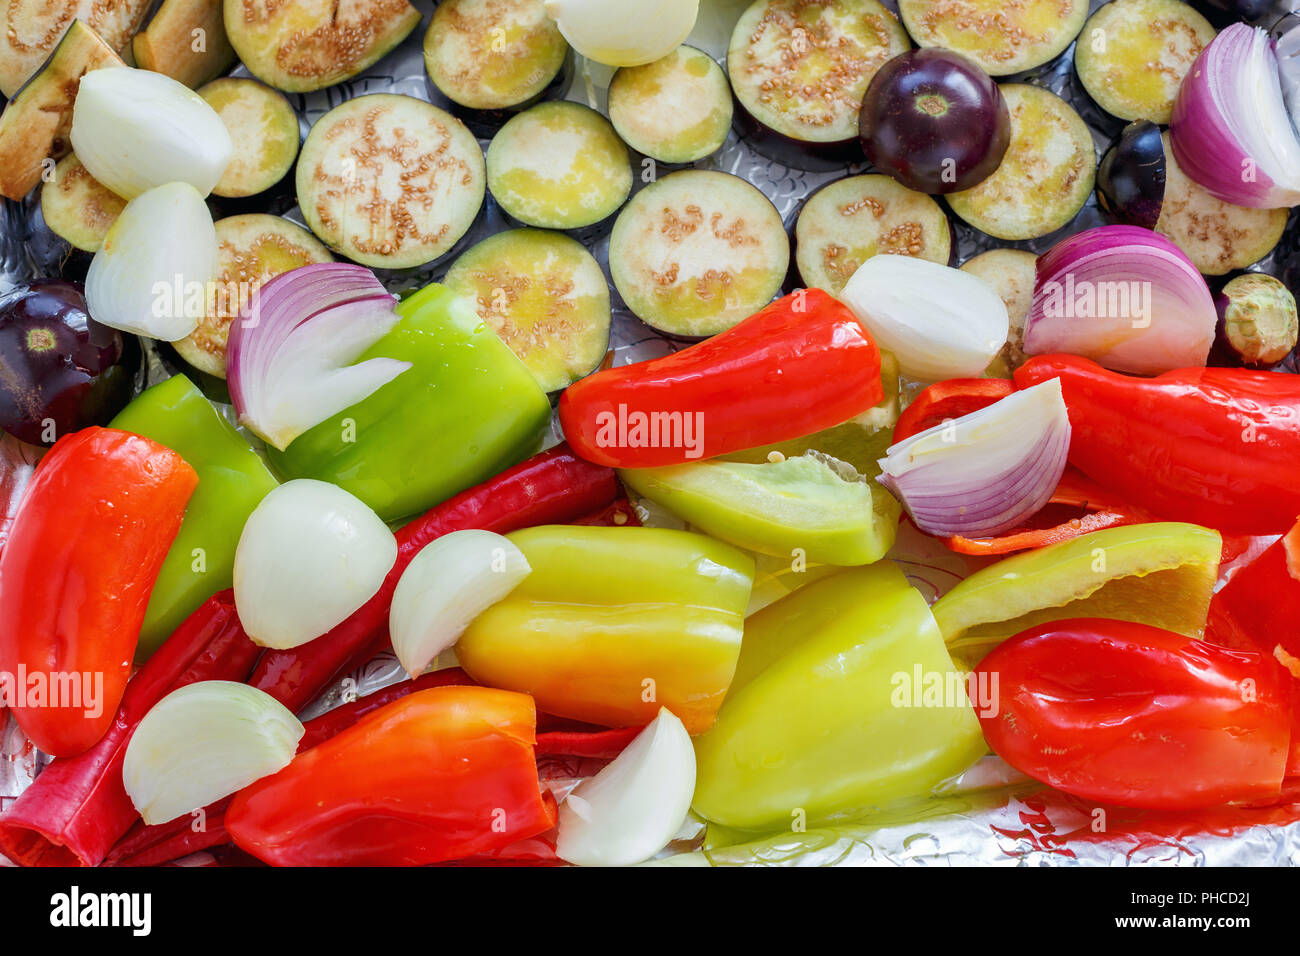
x=203, y=742
x=309, y=556
x=987, y=472
x=608, y=32
x=135, y=130
x=152, y=274
x=631, y=809
x=938, y=322
x=450, y=582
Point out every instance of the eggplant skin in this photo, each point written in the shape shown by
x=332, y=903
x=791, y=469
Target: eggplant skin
x=61, y=370
x=308, y=45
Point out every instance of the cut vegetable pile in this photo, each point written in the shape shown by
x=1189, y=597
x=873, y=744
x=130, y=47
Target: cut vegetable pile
x=632, y=486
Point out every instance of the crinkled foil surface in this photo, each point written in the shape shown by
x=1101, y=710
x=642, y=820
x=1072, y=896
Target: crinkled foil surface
x=991, y=815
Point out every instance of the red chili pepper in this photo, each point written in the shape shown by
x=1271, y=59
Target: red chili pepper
x=85, y=549
x=77, y=808
x=1215, y=446
x=550, y=488
x=802, y=364
x=1258, y=610
x=1132, y=715
x=950, y=399
x=441, y=774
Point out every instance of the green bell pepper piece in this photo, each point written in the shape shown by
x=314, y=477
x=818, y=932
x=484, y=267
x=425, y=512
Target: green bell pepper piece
x=844, y=699
x=810, y=508
x=232, y=481
x=466, y=410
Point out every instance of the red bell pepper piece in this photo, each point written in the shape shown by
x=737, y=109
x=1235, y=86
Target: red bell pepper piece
x=551, y=488
x=75, y=577
x=1215, y=446
x=1258, y=610
x=77, y=808
x=438, y=775
x=949, y=399
x=802, y=364
x=1136, y=716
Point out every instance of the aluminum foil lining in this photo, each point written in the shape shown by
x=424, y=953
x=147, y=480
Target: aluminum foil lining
x=991, y=815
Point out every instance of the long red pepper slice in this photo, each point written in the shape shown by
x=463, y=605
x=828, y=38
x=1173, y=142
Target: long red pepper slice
x=77, y=808
x=551, y=488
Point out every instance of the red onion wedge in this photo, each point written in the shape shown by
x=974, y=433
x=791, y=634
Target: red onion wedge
x=986, y=472
x=289, y=353
x=1230, y=130
x=1123, y=296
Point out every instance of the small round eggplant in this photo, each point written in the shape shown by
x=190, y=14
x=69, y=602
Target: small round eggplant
x=60, y=370
x=1131, y=176
x=1258, y=326
x=935, y=121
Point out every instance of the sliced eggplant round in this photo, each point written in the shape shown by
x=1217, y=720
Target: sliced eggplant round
x=1046, y=175
x=307, y=45
x=1003, y=36
x=697, y=251
x=77, y=207
x=799, y=69
x=494, y=57
x=31, y=29
x=250, y=250
x=1009, y=273
x=559, y=166
x=850, y=220
x=545, y=296
x=390, y=181
x=264, y=129
x=1133, y=55
x=1217, y=236
x=676, y=109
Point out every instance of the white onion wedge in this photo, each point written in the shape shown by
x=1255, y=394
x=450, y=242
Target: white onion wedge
x=152, y=273
x=309, y=556
x=608, y=32
x=135, y=130
x=938, y=321
x=451, y=581
x=203, y=742
x=631, y=810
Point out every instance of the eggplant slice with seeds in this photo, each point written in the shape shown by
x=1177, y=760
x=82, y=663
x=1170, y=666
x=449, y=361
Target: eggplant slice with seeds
x=1217, y=236
x=390, y=181
x=494, y=58
x=31, y=29
x=264, y=129
x=675, y=110
x=559, y=166
x=697, y=251
x=77, y=206
x=1003, y=36
x=1134, y=54
x=1046, y=175
x=848, y=221
x=307, y=45
x=799, y=69
x=544, y=296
